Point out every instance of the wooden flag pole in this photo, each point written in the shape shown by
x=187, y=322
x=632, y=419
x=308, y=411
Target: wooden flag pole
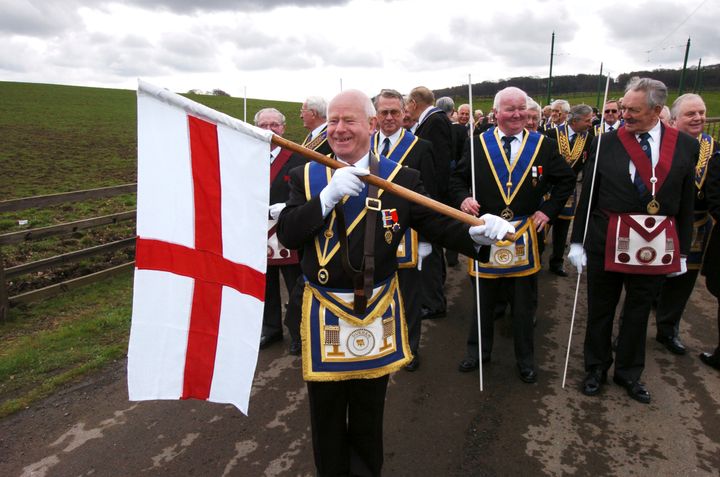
x=388, y=186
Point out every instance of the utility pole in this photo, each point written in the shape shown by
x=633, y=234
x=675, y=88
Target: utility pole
x=681, y=88
x=552, y=51
x=696, y=87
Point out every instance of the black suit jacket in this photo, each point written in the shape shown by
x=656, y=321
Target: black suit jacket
x=437, y=129
x=302, y=220
x=614, y=191
x=461, y=134
x=552, y=133
x=280, y=187
x=421, y=158
x=556, y=173
x=711, y=261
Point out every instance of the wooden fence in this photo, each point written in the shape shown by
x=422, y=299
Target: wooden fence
x=59, y=230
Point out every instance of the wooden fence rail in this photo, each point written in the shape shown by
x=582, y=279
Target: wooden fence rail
x=59, y=230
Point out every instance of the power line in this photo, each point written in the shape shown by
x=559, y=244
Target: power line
x=676, y=28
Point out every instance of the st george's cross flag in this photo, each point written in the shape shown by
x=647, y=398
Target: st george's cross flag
x=203, y=188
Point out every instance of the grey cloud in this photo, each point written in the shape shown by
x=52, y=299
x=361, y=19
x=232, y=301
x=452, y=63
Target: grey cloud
x=37, y=18
x=189, y=6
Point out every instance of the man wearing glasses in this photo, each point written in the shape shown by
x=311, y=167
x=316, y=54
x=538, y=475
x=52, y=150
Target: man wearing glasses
x=611, y=115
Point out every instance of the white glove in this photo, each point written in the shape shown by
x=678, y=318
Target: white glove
x=344, y=182
x=275, y=210
x=683, y=268
x=493, y=230
x=424, y=249
x=577, y=256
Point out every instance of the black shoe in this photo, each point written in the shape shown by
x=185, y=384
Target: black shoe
x=672, y=343
x=558, y=271
x=414, y=364
x=635, y=389
x=427, y=314
x=528, y=375
x=267, y=340
x=712, y=360
x=593, y=382
x=468, y=364
x=295, y=348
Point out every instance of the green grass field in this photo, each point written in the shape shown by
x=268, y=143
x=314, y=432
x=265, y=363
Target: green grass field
x=64, y=138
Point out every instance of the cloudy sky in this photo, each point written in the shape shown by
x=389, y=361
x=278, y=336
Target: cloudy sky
x=289, y=49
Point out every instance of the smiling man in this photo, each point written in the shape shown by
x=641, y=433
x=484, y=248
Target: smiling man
x=639, y=230
x=687, y=115
x=354, y=331
x=513, y=168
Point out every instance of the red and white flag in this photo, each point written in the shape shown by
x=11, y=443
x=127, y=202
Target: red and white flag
x=203, y=187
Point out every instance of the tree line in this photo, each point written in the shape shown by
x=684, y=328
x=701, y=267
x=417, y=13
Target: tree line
x=581, y=83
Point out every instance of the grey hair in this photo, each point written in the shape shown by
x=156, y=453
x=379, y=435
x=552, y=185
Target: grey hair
x=368, y=104
x=564, y=105
x=655, y=90
x=532, y=104
x=317, y=104
x=389, y=93
x=269, y=110
x=446, y=104
x=675, y=108
x=506, y=92
x=579, y=111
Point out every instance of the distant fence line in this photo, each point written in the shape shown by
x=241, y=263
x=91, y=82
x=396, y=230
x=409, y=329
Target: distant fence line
x=59, y=230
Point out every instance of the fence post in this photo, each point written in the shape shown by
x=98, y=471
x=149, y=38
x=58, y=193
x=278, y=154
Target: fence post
x=4, y=305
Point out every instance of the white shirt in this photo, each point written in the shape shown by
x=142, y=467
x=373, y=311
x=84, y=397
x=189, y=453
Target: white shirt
x=393, y=138
x=317, y=131
x=654, y=141
x=514, y=145
x=570, y=132
x=424, y=115
x=274, y=154
x=614, y=126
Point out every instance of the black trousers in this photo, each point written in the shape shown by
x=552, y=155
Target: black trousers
x=433, y=280
x=347, y=426
x=272, y=314
x=671, y=302
x=521, y=293
x=604, y=289
x=712, y=282
x=293, y=314
x=559, y=239
x=410, y=282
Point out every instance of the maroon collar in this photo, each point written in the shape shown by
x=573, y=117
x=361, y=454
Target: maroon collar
x=643, y=167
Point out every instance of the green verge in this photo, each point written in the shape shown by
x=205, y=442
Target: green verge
x=49, y=344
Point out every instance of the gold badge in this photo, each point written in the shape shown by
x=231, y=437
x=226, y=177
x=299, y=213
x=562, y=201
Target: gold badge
x=323, y=276
x=653, y=207
x=388, y=236
x=507, y=213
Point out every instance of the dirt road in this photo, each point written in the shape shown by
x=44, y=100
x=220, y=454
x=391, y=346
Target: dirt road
x=437, y=421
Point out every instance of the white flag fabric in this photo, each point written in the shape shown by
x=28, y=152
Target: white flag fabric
x=203, y=190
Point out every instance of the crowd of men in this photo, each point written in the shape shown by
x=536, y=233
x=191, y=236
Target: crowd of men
x=363, y=267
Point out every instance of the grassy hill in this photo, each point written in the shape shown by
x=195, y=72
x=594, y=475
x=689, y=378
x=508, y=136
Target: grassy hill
x=62, y=138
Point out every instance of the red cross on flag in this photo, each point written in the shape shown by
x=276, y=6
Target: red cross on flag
x=203, y=187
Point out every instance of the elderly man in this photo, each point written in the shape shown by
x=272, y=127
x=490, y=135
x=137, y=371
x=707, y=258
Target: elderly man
x=639, y=230
x=688, y=116
x=559, y=110
x=313, y=115
x=399, y=145
x=533, y=115
x=611, y=118
x=573, y=140
x=433, y=125
x=353, y=324
x=514, y=168
x=280, y=259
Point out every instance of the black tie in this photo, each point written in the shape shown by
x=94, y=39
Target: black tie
x=506, y=145
x=645, y=145
x=572, y=141
x=610, y=128
x=386, y=147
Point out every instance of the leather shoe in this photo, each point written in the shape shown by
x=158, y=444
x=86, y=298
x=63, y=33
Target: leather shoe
x=528, y=375
x=635, y=389
x=267, y=340
x=414, y=364
x=295, y=347
x=712, y=360
x=593, y=382
x=558, y=271
x=672, y=343
x=471, y=364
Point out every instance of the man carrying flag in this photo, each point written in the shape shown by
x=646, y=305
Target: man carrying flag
x=353, y=330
